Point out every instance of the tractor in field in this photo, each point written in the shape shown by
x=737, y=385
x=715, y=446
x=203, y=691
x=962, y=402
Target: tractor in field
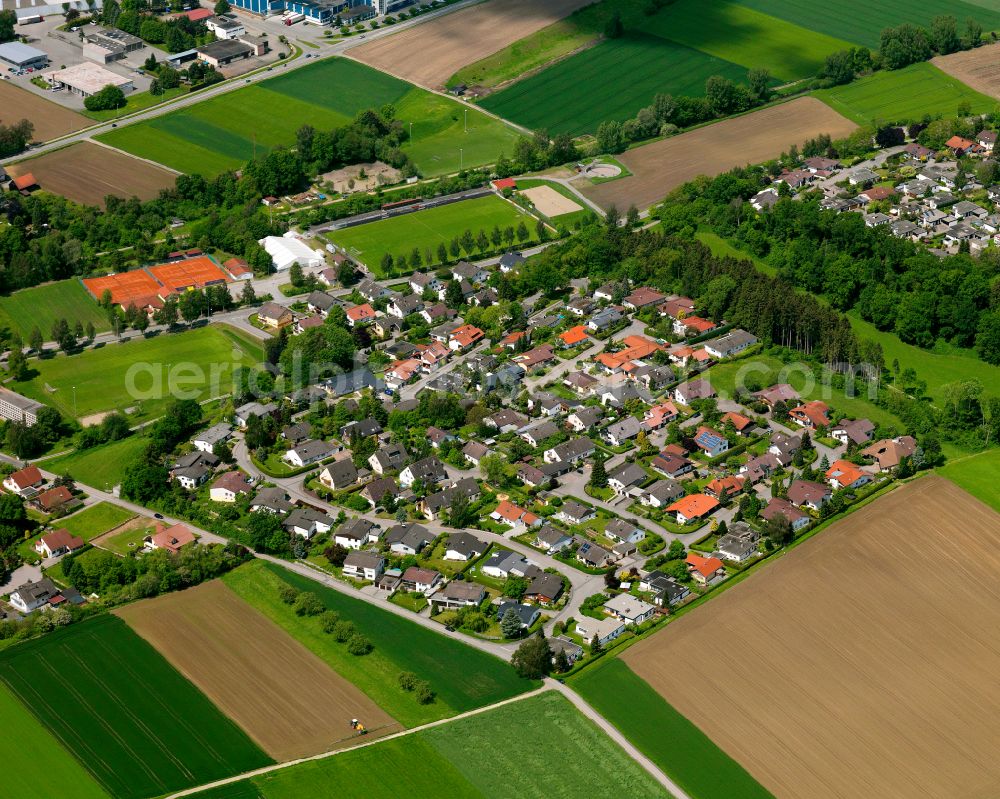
x=358, y=727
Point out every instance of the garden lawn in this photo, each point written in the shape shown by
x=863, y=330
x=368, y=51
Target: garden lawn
x=127, y=541
x=467, y=759
x=226, y=131
x=902, y=95
x=938, y=367
x=463, y=678
x=168, y=365
x=862, y=21
x=422, y=229
x=36, y=763
x=977, y=474
x=610, y=81
x=43, y=305
x=101, y=467
x=684, y=753
x=95, y=520
x=129, y=717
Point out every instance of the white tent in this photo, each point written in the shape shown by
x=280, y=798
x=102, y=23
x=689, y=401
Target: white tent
x=285, y=251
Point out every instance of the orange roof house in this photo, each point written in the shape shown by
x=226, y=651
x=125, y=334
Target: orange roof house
x=360, y=314
x=574, y=335
x=464, y=337
x=692, y=507
x=25, y=182
x=959, y=144
x=729, y=485
x=844, y=474
x=811, y=414
x=738, y=421
x=659, y=415
x=171, y=539
x=513, y=514
x=636, y=348
x=704, y=570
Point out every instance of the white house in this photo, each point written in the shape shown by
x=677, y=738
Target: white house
x=206, y=440
x=364, y=565
x=32, y=596
x=606, y=630
x=629, y=609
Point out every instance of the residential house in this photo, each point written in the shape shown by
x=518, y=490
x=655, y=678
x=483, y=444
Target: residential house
x=459, y=594
x=172, y=539
x=271, y=500
x=437, y=436
x=741, y=424
x=229, y=486
x=592, y=555
x=514, y=515
x=216, y=434
x=309, y=452
x=378, y=491
x=661, y=493
x=692, y=390
x=585, y=418
x=574, y=336
x=572, y=651
x=356, y=533
x=551, y=539
x=474, y=452
x=421, y=580
x=784, y=447
x=307, y=522
x=536, y=356
x=526, y=614
x=725, y=487
x=58, y=542
x=407, y=539
x=573, y=512
x=361, y=315
x=604, y=319
x=580, y=382
x=390, y=458
x=677, y=307
x=765, y=200
x=253, y=410
x=401, y=307
x=56, y=500
x=626, y=478
x=629, y=609
x=364, y=565
x=604, y=630
x=621, y=432
x=511, y=262
x=33, y=595
x=805, y=493
x=581, y=306
x=844, y=474
x=711, y=442
x=463, y=547
x=437, y=313
x=618, y=395
x=300, y=431
x=643, y=297
x=811, y=415
x=570, y=452
x=465, y=337
x=781, y=392
x=622, y=531
x=419, y=281
x=192, y=469
x=739, y=544
x=671, y=464
x=659, y=415
x=428, y=470
x=782, y=507
x=274, y=315
x=339, y=475
x=705, y=571
x=538, y=433
x=463, y=270
x=732, y=343
x=692, y=326
x=853, y=431
x=319, y=302
x=693, y=507
x=503, y=564
x=888, y=452
x=434, y=504
x=371, y=290
x=402, y=372
x=24, y=482
x=544, y=587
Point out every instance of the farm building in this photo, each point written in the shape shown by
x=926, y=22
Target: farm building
x=223, y=52
x=21, y=56
x=285, y=251
x=87, y=79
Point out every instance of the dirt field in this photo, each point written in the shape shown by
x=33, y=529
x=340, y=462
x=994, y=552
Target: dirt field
x=979, y=69
x=550, y=202
x=86, y=173
x=452, y=41
x=863, y=663
x=50, y=120
x=288, y=700
x=662, y=166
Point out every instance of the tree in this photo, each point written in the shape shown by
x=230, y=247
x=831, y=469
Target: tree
x=944, y=34
x=408, y=680
x=988, y=337
x=522, y=232
x=222, y=7
x=614, y=27
x=424, y=693
x=453, y=296
x=8, y=19
x=17, y=364
x=359, y=645
x=15, y=137
x=63, y=336
x=533, y=658
x=144, y=482
x=494, y=470
x=973, y=33
x=248, y=296
x=515, y=588
x=510, y=624
x=598, y=474
x=759, y=81
x=561, y=662
x=35, y=340
x=106, y=99
x=308, y=604
x=611, y=137
x=595, y=644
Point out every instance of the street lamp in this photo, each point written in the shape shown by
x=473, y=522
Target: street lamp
x=466, y=120
x=461, y=159
x=74, y=400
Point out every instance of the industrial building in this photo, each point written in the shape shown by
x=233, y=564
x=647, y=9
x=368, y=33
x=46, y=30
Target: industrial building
x=86, y=79
x=224, y=52
x=21, y=56
x=107, y=45
x=226, y=27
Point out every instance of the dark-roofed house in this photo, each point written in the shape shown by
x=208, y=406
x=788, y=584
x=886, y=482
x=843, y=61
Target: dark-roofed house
x=306, y=522
x=271, y=500
x=390, y=458
x=809, y=494
x=33, y=595
x=551, y=539
x=573, y=512
x=692, y=390
x=622, y=531
x=576, y=449
x=544, y=588
x=309, y=452
x=463, y=546
x=420, y=580
x=626, y=477
x=459, y=594
x=338, y=475
x=526, y=614
x=378, y=491
x=430, y=470
x=590, y=554
x=407, y=539
x=782, y=507
x=364, y=565
x=853, y=431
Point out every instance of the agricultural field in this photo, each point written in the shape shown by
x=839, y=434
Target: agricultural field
x=449, y=760
x=96, y=520
x=662, y=166
x=40, y=766
x=50, y=119
x=676, y=745
x=102, y=380
x=463, y=678
x=978, y=474
x=978, y=69
x=226, y=131
x=133, y=721
x=610, y=81
x=454, y=40
x=903, y=94
x=254, y=672
x=87, y=173
x=43, y=305
x=101, y=467
x=867, y=693
x=427, y=229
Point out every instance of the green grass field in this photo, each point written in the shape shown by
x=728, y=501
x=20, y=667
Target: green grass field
x=36, y=763
x=861, y=21
x=101, y=467
x=423, y=229
x=676, y=745
x=139, y=727
x=560, y=755
x=610, y=81
x=43, y=305
x=95, y=520
x=464, y=678
x=977, y=474
x=138, y=101
x=903, y=94
x=169, y=364
x=225, y=131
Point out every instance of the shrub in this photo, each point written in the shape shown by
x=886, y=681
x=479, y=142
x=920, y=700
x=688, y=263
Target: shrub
x=308, y=604
x=343, y=630
x=408, y=680
x=329, y=620
x=287, y=594
x=359, y=645
x=424, y=693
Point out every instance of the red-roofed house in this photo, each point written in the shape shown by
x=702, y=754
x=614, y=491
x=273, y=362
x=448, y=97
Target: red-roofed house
x=514, y=515
x=25, y=183
x=198, y=14
x=504, y=184
x=57, y=542
x=238, y=269
x=725, y=485
x=741, y=424
x=959, y=145
x=642, y=297
x=227, y=487
x=402, y=372
x=24, y=482
x=692, y=326
x=360, y=315
x=573, y=336
x=705, y=570
x=811, y=414
x=170, y=538
x=464, y=337
x=877, y=193
x=692, y=507
x=58, y=498
x=659, y=415
x=844, y=474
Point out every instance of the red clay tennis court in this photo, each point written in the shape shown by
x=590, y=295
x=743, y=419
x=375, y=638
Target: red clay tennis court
x=125, y=287
x=197, y=272
x=140, y=286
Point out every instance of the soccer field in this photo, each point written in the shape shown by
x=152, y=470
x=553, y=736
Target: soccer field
x=43, y=305
x=903, y=95
x=225, y=132
x=139, y=727
x=428, y=229
x=143, y=373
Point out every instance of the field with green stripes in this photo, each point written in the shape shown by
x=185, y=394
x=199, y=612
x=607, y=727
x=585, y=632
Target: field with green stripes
x=138, y=726
x=224, y=132
x=42, y=306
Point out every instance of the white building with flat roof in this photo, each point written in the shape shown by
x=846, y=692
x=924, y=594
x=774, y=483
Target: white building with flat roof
x=22, y=56
x=17, y=408
x=86, y=79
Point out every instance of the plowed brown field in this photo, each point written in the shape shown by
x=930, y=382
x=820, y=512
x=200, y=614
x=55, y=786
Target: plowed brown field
x=285, y=698
x=979, y=68
x=862, y=663
x=87, y=173
x=50, y=119
x=429, y=53
x=660, y=167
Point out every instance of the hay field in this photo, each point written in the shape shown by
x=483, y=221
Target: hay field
x=50, y=119
x=978, y=69
x=662, y=166
x=450, y=42
x=862, y=663
x=86, y=173
x=287, y=699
